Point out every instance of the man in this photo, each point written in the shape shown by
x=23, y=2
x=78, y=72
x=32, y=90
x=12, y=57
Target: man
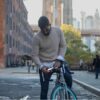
x=96, y=63
x=49, y=49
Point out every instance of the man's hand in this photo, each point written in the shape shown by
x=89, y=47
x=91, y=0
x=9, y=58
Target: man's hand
x=45, y=70
x=57, y=64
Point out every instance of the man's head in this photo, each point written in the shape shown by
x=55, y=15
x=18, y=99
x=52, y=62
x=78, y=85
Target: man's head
x=44, y=25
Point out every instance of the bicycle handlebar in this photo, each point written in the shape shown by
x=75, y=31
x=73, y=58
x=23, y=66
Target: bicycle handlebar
x=51, y=68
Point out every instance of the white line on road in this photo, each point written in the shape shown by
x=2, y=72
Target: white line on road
x=25, y=98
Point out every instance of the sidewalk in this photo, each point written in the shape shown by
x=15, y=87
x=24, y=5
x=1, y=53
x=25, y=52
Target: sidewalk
x=18, y=72
x=87, y=80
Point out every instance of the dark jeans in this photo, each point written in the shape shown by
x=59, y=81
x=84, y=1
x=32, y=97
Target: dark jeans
x=97, y=71
x=44, y=81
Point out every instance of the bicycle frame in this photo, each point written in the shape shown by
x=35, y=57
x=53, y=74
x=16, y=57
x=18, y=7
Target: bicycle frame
x=61, y=88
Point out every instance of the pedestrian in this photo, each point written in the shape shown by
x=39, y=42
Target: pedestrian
x=96, y=64
x=81, y=64
x=49, y=50
x=29, y=64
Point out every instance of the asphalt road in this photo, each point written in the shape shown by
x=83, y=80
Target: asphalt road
x=29, y=89
x=16, y=89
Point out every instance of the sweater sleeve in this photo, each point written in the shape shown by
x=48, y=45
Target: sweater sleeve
x=62, y=45
x=35, y=53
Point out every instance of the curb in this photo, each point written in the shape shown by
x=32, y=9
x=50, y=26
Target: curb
x=88, y=87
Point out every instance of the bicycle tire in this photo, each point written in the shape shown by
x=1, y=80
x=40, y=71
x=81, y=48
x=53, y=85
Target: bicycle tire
x=55, y=95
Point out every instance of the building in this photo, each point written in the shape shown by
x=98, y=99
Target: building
x=67, y=12
x=35, y=28
x=96, y=20
x=58, y=11
x=15, y=33
x=89, y=38
x=83, y=14
x=89, y=23
x=76, y=23
x=90, y=29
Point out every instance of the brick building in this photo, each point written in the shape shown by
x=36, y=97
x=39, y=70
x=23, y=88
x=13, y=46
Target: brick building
x=16, y=35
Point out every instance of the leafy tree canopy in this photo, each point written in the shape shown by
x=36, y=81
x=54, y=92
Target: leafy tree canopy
x=76, y=50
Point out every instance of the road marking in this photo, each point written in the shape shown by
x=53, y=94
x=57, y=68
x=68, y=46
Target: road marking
x=25, y=98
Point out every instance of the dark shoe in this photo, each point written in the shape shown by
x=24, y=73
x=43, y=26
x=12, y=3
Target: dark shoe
x=51, y=80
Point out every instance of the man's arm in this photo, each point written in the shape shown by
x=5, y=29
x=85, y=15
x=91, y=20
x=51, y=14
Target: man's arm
x=62, y=50
x=35, y=52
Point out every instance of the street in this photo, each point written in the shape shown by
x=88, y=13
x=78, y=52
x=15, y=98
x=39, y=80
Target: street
x=29, y=89
x=38, y=34
x=15, y=89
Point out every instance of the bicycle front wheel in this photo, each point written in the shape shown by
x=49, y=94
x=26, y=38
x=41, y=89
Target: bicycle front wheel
x=62, y=93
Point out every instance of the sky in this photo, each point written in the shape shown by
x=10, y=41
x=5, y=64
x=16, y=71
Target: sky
x=34, y=8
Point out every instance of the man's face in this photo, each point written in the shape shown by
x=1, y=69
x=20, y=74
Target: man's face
x=46, y=30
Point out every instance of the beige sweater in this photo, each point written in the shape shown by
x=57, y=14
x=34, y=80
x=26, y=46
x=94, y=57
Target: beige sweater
x=48, y=48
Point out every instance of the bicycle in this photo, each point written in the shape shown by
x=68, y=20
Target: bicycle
x=61, y=91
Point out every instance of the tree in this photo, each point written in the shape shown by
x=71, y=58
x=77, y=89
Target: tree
x=97, y=45
x=76, y=50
